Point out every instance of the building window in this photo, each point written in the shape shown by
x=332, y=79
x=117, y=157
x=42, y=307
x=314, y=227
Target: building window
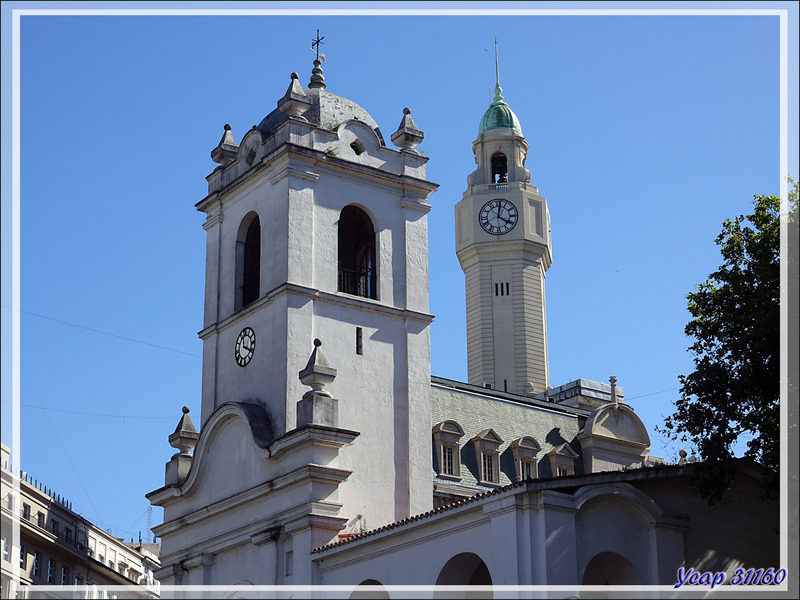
x=359, y=341
x=23, y=558
x=5, y=548
x=489, y=469
x=448, y=463
x=525, y=450
x=51, y=570
x=357, y=257
x=499, y=168
x=68, y=535
x=64, y=575
x=54, y=526
x=78, y=580
x=26, y=512
x=562, y=460
x=40, y=519
x=487, y=444
x=446, y=438
x=101, y=558
x=37, y=564
x=527, y=470
x=248, y=261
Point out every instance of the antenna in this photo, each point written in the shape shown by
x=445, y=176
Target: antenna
x=149, y=524
x=496, y=62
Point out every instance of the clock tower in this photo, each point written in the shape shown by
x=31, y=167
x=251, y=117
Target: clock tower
x=504, y=247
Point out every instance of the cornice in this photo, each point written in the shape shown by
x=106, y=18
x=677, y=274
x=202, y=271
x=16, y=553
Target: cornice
x=332, y=298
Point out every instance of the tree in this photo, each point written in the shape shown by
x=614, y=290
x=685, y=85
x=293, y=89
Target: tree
x=734, y=389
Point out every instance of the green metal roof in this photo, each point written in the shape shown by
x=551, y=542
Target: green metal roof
x=499, y=114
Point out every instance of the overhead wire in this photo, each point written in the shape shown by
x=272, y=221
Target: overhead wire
x=122, y=337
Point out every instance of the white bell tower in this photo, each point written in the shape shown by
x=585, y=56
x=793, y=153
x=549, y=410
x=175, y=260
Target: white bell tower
x=504, y=247
x=316, y=228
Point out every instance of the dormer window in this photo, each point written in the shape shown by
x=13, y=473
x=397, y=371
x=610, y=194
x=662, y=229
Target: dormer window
x=499, y=168
x=524, y=450
x=562, y=460
x=487, y=444
x=446, y=436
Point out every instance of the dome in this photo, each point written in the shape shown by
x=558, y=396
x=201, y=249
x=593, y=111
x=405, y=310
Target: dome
x=326, y=110
x=499, y=114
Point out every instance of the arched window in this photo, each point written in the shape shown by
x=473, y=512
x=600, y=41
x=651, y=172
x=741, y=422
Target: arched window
x=357, y=264
x=499, y=168
x=248, y=261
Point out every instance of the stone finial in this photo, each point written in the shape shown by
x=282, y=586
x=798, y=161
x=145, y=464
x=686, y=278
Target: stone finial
x=614, y=399
x=407, y=135
x=317, y=407
x=185, y=436
x=682, y=460
x=294, y=102
x=317, y=373
x=317, y=78
x=227, y=149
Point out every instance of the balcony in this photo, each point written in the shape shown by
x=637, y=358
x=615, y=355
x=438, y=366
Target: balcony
x=357, y=281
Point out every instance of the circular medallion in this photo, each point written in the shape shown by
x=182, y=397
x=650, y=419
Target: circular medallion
x=245, y=346
x=498, y=216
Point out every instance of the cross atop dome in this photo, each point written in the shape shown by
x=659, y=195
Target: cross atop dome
x=317, y=78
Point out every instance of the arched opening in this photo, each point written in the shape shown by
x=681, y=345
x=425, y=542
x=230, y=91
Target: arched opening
x=610, y=568
x=357, y=264
x=375, y=590
x=248, y=261
x=464, y=569
x=499, y=168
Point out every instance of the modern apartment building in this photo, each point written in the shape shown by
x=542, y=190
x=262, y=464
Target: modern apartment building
x=59, y=549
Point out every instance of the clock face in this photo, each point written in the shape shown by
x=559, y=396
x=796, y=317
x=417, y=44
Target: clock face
x=498, y=216
x=245, y=346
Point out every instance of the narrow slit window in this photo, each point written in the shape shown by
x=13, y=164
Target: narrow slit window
x=359, y=341
x=495, y=289
x=507, y=292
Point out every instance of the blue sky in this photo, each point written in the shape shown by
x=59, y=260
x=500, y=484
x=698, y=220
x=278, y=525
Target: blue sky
x=646, y=133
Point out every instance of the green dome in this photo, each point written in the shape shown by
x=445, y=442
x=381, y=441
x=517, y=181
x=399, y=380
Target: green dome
x=499, y=114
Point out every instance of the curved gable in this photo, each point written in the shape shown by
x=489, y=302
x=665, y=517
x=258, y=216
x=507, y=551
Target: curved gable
x=231, y=453
x=619, y=423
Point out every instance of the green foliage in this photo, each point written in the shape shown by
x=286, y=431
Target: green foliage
x=734, y=389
